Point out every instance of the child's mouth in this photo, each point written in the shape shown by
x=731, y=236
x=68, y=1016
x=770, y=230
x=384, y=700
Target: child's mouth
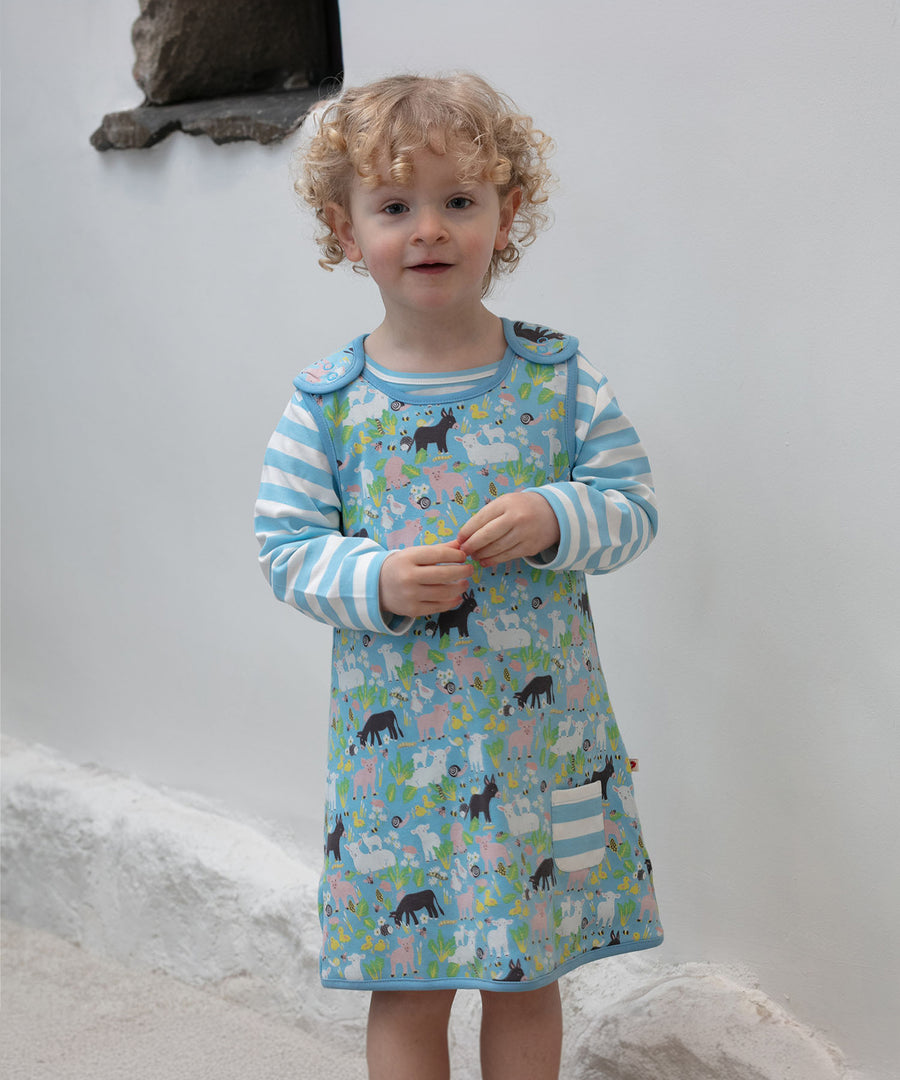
x=430, y=267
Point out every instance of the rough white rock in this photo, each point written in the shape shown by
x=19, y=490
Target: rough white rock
x=132, y=873
x=692, y=1020
x=165, y=882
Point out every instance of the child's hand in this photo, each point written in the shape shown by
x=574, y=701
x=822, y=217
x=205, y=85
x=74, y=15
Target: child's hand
x=510, y=527
x=424, y=580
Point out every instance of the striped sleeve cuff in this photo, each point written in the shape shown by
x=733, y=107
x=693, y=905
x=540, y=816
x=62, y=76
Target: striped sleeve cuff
x=558, y=557
x=386, y=622
x=343, y=590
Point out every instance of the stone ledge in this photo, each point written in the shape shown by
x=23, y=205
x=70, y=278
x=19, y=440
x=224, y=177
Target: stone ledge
x=173, y=884
x=261, y=117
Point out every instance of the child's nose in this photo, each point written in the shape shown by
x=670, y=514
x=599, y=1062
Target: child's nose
x=430, y=226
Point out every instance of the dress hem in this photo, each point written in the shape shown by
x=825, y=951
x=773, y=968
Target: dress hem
x=407, y=983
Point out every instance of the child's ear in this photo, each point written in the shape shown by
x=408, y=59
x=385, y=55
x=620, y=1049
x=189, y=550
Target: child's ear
x=509, y=206
x=342, y=227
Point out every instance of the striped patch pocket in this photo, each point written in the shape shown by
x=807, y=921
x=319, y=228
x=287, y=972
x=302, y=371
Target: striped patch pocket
x=579, y=837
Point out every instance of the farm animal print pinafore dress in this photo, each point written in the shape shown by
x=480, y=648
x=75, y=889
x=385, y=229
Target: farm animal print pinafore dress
x=481, y=828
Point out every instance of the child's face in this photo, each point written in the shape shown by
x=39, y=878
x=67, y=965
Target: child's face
x=427, y=244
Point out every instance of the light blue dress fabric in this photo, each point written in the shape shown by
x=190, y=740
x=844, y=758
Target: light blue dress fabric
x=481, y=828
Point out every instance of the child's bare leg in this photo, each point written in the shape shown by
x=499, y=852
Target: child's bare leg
x=407, y=1034
x=521, y=1034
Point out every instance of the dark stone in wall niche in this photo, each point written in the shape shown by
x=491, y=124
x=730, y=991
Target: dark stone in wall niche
x=265, y=118
x=189, y=49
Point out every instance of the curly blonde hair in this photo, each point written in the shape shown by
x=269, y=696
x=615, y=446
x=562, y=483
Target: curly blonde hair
x=394, y=117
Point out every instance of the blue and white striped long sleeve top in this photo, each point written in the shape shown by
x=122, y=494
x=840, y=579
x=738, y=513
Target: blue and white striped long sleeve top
x=607, y=511
x=306, y=558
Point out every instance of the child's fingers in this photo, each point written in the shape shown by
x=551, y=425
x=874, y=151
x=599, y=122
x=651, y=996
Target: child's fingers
x=437, y=565
x=434, y=554
x=423, y=580
x=503, y=548
x=477, y=521
x=503, y=555
x=486, y=527
x=440, y=576
x=444, y=573
x=515, y=525
x=488, y=538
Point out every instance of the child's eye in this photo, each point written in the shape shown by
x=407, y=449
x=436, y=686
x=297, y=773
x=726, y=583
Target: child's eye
x=394, y=208
x=459, y=202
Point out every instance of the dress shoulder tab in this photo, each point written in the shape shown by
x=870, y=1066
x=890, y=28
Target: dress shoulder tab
x=335, y=371
x=539, y=343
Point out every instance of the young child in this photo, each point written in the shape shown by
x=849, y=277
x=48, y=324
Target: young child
x=436, y=492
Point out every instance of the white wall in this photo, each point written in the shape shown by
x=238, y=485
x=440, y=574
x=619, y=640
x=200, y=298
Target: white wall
x=726, y=247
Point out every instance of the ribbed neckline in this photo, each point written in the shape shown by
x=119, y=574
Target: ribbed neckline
x=429, y=383
x=436, y=387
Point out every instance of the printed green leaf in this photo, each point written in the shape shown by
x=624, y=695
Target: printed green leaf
x=374, y=967
x=405, y=673
x=520, y=937
x=442, y=947
x=625, y=909
x=401, y=770
x=337, y=411
x=539, y=373
x=444, y=853
x=494, y=750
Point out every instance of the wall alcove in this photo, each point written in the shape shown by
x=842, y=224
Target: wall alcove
x=246, y=69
